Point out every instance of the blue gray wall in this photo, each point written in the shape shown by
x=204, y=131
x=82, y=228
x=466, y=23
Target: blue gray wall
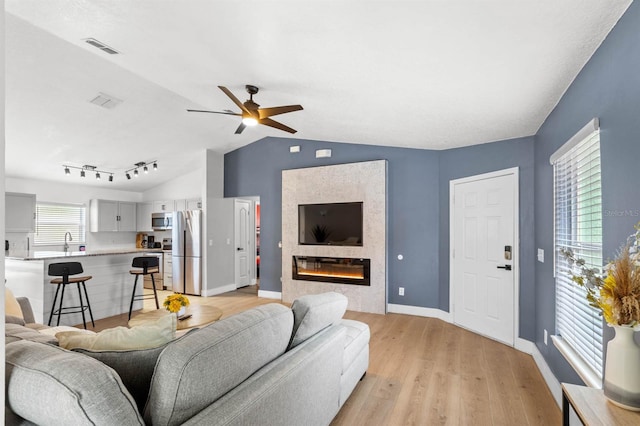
x=608, y=87
x=475, y=160
x=255, y=170
x=418, y=208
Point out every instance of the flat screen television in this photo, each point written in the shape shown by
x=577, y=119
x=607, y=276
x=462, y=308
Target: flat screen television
x=337, y=224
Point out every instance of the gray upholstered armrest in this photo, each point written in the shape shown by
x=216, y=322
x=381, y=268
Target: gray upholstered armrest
x=27, y=312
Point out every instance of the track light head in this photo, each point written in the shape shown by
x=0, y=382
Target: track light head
x=81, y=173
x=98, y=176
x=146, y=169
x=110, y=178
x=135, y=173
x=128, y=176
x=155, y=167
x=67, y=171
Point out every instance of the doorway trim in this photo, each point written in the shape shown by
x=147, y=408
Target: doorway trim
x=515, y=172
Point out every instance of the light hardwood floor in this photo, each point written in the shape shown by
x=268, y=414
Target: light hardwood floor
x=424, y=371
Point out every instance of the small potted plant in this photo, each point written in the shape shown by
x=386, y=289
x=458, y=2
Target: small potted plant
x=176, y=303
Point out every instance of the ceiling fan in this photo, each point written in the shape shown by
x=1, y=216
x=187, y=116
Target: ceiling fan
x=252, y=114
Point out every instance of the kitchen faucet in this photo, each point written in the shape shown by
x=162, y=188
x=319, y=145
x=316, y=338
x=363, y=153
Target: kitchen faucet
x=66, y=245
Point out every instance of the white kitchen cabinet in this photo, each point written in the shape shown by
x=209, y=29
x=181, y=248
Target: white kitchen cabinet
x=167, y=271
x=194, y=204
x=181, y=205
x=163, y=206
x=143, y=215
x=112, y=216
x=20, y=212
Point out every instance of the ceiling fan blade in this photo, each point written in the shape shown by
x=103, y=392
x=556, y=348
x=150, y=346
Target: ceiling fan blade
x=268, y=112
x=240, y=128
x=272, y=123
x=234, y=99
x=215, y=112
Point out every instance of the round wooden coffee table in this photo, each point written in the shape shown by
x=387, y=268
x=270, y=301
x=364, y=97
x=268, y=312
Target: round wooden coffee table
x=200, y=315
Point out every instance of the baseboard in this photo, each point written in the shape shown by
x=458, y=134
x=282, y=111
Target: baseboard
x=419, y=311
x=552, y=383
x=270, y=294
x=218, y=290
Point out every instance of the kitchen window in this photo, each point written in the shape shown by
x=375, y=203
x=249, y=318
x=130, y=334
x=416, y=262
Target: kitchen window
x=578, y=226
x=54, y=220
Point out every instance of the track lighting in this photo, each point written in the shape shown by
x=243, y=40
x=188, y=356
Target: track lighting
x=84, y=169
x=144, y=165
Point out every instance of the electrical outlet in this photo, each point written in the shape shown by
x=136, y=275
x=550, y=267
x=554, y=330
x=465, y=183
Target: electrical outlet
x=401, y=291
x=546, y=335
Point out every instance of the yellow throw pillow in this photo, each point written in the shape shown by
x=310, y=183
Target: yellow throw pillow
x=11, y=305
x=146, y=336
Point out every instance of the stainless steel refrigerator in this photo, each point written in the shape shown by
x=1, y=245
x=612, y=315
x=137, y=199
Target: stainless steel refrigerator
x=186, y=251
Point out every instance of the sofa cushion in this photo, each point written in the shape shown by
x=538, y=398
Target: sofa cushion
x=45, y=382
x=315, y=312
x=198, y=369
x=16, y=332
x=135, y=367
x=358, y=336
x=148, y=335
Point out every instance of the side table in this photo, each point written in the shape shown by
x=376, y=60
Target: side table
x=592, y=407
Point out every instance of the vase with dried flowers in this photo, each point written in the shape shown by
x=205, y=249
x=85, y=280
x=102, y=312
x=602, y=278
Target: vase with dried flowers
x=615, y=291
x=176, y=303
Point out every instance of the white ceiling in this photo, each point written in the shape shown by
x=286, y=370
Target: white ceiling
x=428, y=74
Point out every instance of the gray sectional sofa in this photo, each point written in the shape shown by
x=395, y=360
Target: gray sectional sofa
x=270, y=365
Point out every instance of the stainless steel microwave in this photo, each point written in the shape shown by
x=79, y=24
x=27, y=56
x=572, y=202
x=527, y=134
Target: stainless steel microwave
x=161, y=221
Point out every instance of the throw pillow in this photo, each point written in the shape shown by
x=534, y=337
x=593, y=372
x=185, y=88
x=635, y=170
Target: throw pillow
x=48, y=385
x=11, y=305
x=135, y=367
x=52, y=331
x=149, y=335
x=315, y=312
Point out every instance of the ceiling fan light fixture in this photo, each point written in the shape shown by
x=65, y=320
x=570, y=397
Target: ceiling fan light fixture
x=249, y=121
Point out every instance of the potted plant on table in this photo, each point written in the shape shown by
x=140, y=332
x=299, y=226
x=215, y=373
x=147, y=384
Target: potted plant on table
x=615, y=292
x=176, y=303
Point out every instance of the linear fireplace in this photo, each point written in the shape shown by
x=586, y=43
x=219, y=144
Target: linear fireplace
x=339, y=270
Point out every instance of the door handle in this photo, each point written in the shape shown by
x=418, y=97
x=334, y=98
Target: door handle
x=507, y=267
x=239, y=249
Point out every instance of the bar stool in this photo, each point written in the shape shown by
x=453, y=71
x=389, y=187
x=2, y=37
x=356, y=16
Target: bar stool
x=150, y=266
x=65, y=270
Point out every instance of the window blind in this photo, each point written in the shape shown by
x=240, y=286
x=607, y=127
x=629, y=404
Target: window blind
x=54, y=220
x=578, y=226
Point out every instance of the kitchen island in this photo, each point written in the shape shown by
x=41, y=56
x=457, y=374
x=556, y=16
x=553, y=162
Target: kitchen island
x=109, y=288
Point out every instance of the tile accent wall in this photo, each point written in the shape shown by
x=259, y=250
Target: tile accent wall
x=366, y=182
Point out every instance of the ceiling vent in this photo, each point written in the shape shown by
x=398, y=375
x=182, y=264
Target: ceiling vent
x=106, y=101
x=100, y=45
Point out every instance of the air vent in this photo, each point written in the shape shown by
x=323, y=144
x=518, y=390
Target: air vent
x=100, y=45
x=106, y=101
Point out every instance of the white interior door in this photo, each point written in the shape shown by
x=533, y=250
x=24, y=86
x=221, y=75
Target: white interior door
x=243, y=236
x=484, y=249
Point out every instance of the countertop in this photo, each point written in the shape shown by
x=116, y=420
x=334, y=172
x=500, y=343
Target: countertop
x=44, y=255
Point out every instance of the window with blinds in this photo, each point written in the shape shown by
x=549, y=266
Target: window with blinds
x=578, y=226
x=54, y=220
